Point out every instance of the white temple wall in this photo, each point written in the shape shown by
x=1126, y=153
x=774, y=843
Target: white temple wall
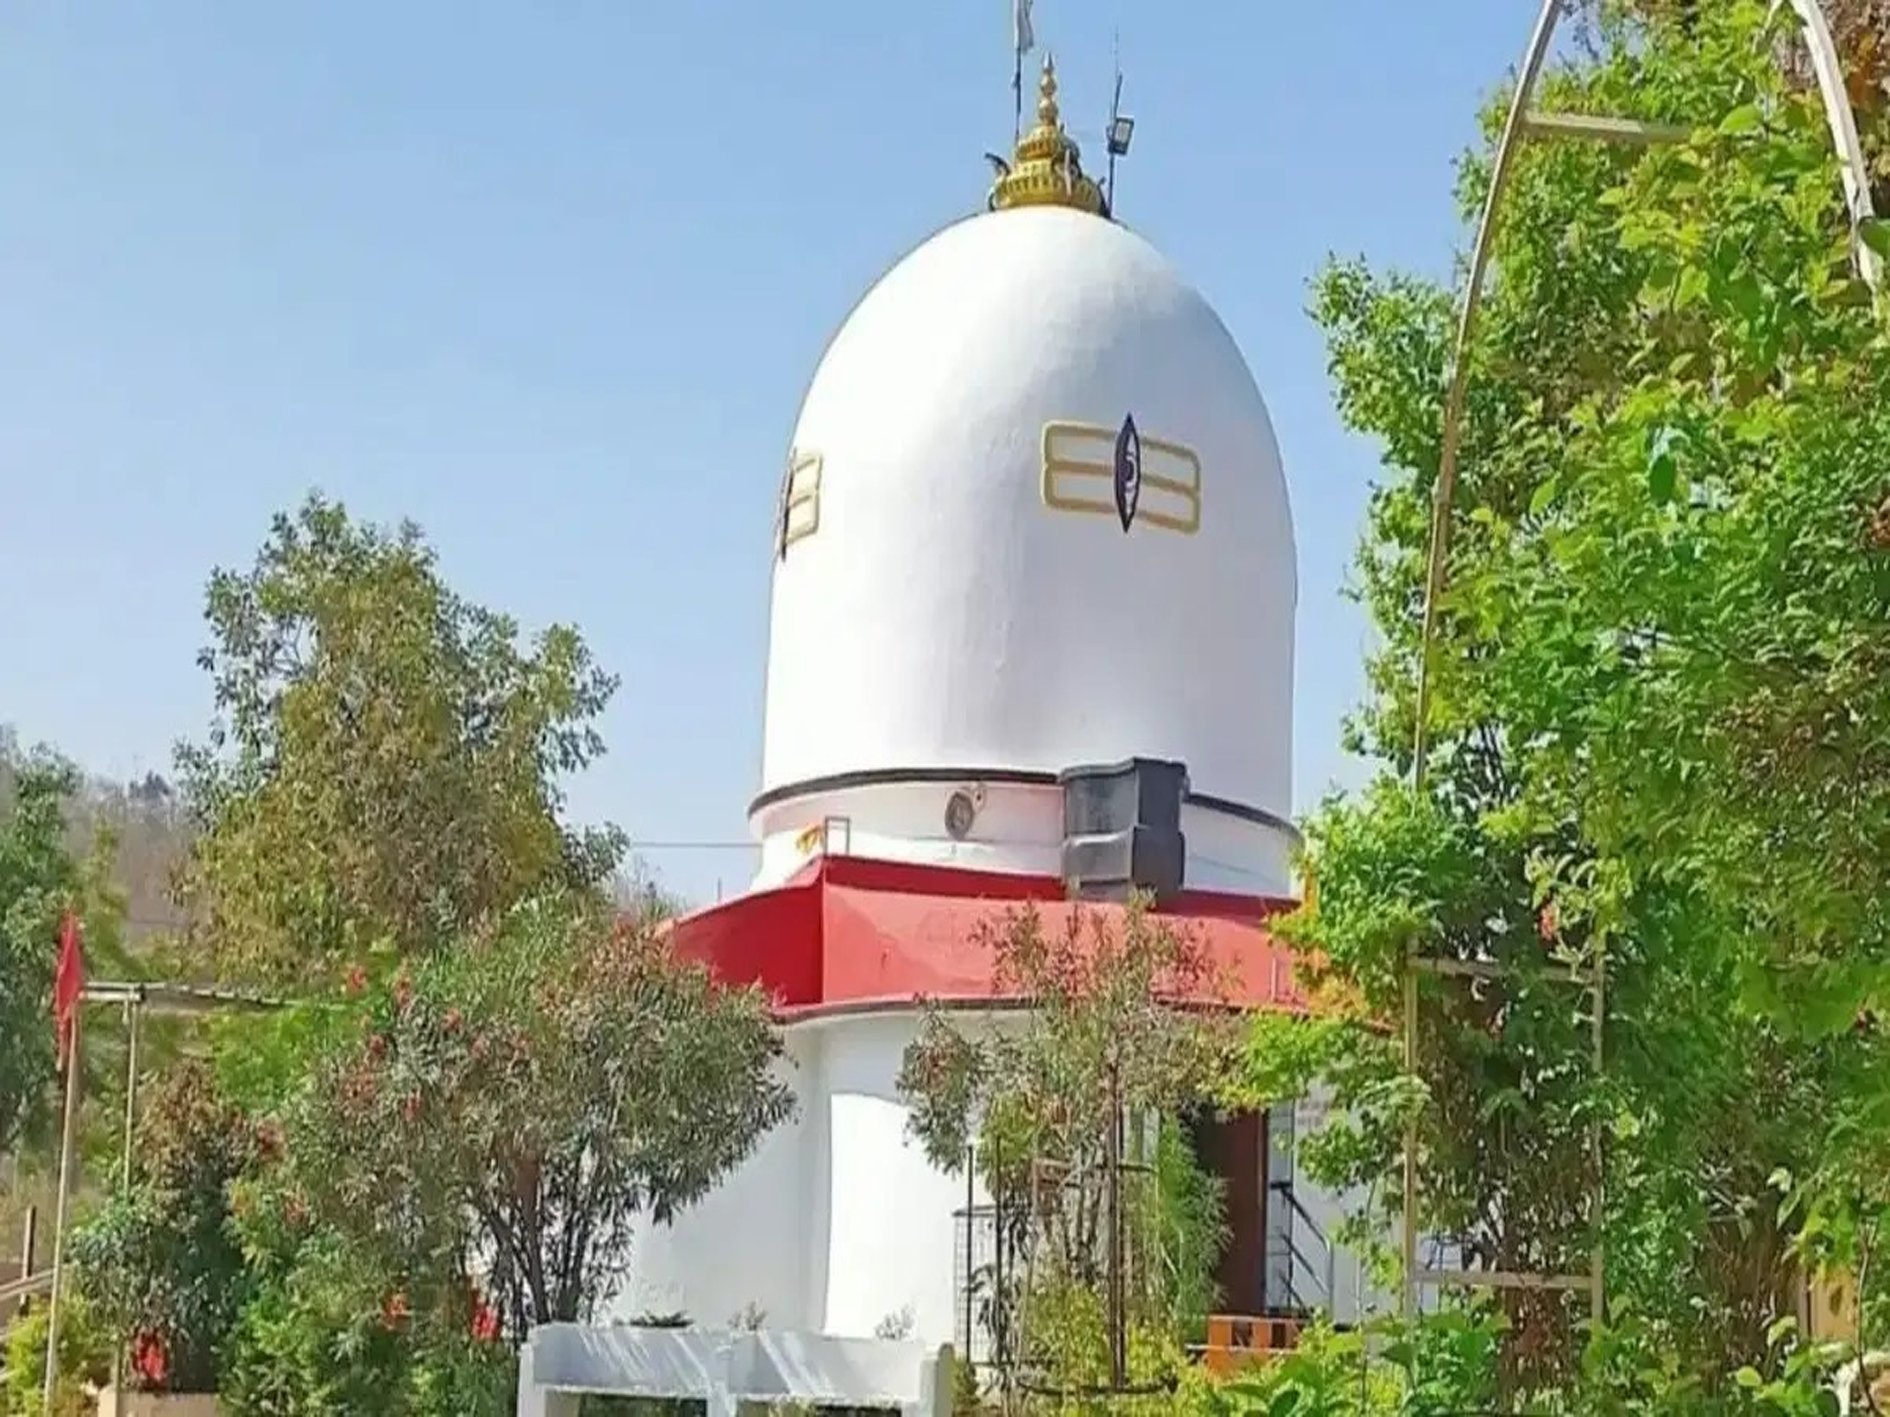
x=1353, y=1293
x=961, y=596
x=1018, y=829
x=745, y=1242
x=838, y=1224
x=892, y=1241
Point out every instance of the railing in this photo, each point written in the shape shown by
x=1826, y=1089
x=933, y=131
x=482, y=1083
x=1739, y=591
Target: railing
x=17, y=1289
x=1297, y=1260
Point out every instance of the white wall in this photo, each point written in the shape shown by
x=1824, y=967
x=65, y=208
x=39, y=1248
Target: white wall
x=745, y=1242
x=892, y=1238
x=1019, y=829
x=1353, y=1293
x=838, y=1223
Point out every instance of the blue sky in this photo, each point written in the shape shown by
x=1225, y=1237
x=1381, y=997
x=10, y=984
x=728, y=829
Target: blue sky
x=550, y=280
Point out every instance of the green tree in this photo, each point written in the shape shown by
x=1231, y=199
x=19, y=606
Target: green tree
x=385, y=761
x=1659, y=721
x=41, y=877
x=513, y=1107
x=159, y=1265
x=1116, y=1042
x=39, y=880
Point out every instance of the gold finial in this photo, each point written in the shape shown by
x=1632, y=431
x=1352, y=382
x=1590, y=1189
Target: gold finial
x=1047, y=170
x=1047, y=115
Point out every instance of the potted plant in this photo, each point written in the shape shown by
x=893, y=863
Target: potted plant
x=160, y=1265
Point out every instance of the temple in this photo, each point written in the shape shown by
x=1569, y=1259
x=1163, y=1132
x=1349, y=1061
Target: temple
x=1031, y=641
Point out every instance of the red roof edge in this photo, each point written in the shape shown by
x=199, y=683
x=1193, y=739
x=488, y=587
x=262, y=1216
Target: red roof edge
x=843, y=935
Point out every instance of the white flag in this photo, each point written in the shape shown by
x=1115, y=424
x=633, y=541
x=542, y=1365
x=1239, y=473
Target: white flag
x=1025, y=37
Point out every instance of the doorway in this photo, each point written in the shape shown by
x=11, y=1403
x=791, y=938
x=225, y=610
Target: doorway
x=1232, y=1148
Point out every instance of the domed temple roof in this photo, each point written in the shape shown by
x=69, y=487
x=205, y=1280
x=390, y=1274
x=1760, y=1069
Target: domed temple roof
x=1033, y=516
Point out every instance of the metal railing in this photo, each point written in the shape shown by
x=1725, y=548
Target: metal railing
x=15, y=1290
x=1326, y=1268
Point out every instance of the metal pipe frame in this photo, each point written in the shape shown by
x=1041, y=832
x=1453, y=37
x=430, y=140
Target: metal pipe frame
x=1521, y=124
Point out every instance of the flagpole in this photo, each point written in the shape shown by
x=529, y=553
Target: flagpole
x=1017, y=93
x=1023, y=40
x=67, y=1129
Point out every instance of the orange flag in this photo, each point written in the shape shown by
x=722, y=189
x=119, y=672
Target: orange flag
x=68, y=983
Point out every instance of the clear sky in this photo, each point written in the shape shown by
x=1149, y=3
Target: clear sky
x=551, y=279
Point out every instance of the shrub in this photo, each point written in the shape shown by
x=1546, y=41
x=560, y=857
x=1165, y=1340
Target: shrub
x=84, y=1363
x=160, y=1264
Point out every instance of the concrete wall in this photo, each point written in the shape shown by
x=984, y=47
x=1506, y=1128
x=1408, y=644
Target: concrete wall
x=729, y=1371
x=1018, y=828
x=891, y=1241
x=838, y=1224
x=744, y=1244
x=1353, y=1294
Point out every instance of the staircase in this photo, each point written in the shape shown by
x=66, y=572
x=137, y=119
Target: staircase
x=1301, y=1287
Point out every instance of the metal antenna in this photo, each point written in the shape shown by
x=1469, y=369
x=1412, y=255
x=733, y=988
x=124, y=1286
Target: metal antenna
x=1121, y=131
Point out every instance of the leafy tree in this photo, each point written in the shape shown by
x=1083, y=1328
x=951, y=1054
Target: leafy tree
x=160, y=1265
x=1115, y=1042
x=385, y=760
x=42, y=875
x=508, y=1109
x=1659, y=721
x=39, y=880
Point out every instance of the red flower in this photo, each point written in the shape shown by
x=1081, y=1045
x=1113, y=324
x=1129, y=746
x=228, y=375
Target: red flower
x=356, y=980
x=453, y=1020
x=410, y=1107
x=485, y=1323
x=268, y=1140
x=149, y=1360
x=394, y=1310
x=479, y=1047
x=1549, y=922
x=377, y=1046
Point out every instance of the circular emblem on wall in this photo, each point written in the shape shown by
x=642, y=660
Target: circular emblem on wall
x=960, y=813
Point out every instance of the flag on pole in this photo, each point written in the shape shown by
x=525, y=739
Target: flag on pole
x=1023, y=40
x=68, y=982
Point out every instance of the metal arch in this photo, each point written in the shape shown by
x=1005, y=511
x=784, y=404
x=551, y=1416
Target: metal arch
x=1842, y=119
x=1520, y=122
x=1514, y=128
x=1842, y=122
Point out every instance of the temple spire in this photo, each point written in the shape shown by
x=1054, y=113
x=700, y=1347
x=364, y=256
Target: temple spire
x=1047, y=170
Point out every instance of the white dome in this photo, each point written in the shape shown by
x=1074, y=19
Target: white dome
x=941, y=607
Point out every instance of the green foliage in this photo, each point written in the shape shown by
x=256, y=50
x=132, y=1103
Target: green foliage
x=84, y=1362
x=321, y=1339
x=1041, y=1094
x=38, y=880
x=160, y=1264
x=1328, y=1374
x=314, y=1341
x=459, y=1376
x=523, y=1099
x=1190, y=1228
x=385, y=762
x=1066, y=1350
x=1660, y=730
x=45, y=868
